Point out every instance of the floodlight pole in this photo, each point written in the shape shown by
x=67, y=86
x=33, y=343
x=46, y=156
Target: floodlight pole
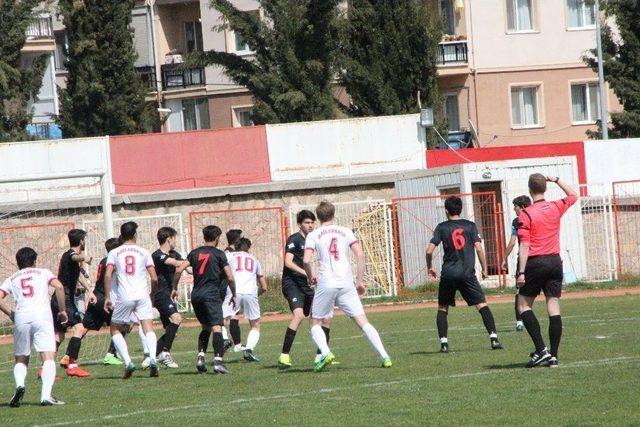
x=604, y=114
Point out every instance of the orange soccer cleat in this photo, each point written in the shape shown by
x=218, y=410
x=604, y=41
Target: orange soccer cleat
x=64, y=362
x=77, y=371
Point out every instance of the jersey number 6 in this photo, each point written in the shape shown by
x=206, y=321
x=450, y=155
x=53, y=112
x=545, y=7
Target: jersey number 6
x=458, y=238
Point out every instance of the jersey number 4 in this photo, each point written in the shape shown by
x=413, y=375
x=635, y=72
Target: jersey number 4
x=333, y=249
x=458, y=238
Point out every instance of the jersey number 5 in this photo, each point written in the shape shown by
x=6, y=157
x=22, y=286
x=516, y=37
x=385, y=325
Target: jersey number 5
x=458, y=238
x=203, y=259
x=27, y=289
x=333, y=249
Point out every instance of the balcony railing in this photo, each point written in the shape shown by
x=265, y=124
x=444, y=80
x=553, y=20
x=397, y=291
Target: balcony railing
x=452, y=53
x=148, y=76
x=40, y=28
x=175, y=76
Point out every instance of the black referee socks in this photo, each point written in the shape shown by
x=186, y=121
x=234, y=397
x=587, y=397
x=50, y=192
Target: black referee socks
x=555, y=333
x=441, y=322
x=203, y=340
x=218, y=344
x=533, y=328
x=73, y=348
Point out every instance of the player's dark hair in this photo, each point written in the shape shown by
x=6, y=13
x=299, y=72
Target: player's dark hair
x=537, y=183
x=112, y=243
x=303, y=215
x=211, y=233
x=325, y=211
x=453, y=205
x=522, y=201
x=233, y=236
x=26, y=257
x=75, y=236
x=243, y=244
x=164, y=233
x=128, y=230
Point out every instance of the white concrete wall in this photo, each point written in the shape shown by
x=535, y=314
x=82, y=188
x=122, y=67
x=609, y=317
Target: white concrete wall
x=610, y=161
x=345, y=147
x=39, y=158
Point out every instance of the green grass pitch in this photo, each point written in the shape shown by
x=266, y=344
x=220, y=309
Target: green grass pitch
x=597, y=383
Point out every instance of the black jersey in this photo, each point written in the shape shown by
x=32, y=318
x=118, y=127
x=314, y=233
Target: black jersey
x=102, y=269
x=208, y=271
x=295, y=246
x=69, y=272
x=165, y=271
x=458, y=239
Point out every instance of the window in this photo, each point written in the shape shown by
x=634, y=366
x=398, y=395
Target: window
x=448, y=17
x=241, y=45
x=520, y=15
x=451, y=112
x=242, y=117
x=60, y=55
x=195, y=114
x=585, y=98
x=193, y=34
x=524, y=107
x=581, y=14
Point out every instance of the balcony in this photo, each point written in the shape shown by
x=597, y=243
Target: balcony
x=40, y=28
x=175, y=76
x=452, y=53
x=148, y=76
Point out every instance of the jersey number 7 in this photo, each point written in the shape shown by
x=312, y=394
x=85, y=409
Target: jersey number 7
x=203, y=259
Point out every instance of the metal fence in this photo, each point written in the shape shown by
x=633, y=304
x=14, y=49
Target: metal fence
x=626, y=208
x=598, y=233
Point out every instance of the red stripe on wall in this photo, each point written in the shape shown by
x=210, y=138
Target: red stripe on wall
x=437, y=158
x=183, y=160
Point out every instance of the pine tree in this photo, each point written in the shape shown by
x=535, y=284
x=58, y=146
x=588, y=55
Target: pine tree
x=621, y=66
x=104, y=93
x=291, y=75
x=18, y=84
x=389, y=56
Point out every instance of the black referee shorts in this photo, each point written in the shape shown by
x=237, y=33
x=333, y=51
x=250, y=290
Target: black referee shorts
x=469, y=288
x=543, y=273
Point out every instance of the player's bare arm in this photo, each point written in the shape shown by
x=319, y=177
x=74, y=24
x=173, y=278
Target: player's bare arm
x=154, y=279
x=356, y=248
x=81, y=258
x=4, y=309
x=522, y=260
x=108, y=274
x=59, y=293
x=232, y=284
x=481, y=258
x=288, y=262
x=263, y=285
x=512, y=244
x=430, y=249
x=563, y=186
x=180, y=268
x=308, y=269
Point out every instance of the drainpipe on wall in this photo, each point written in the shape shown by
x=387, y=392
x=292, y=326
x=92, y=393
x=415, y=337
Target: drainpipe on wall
x=473, y=71
x=151, y=6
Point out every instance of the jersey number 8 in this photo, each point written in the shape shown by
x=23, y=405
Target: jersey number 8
x=130, y=265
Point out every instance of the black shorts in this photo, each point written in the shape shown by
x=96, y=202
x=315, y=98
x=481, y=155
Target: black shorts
x=166, y=307
x=298, y=293
x=543, y=273
x=208, y=311
x=95, y=317
x=469, y=288
x=73, y=314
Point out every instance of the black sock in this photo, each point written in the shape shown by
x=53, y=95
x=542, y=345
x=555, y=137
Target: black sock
x=518, y=317
x=441, y=322
x=533, y=328
x=112, y=348
x=203, y=340
x=289, y=336
x=169, y=335
x=327, y=332
x=234, y=329
x=487, y=319
x=160, y=344
x=218, y=344
x=73, y=348
x=555, y=333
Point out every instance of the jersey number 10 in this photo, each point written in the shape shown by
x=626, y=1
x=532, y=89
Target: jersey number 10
x=248, y=264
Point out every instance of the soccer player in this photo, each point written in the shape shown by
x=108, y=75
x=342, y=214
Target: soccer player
x=210, y=265
x=331, y=244
x=295, y=286
x=519, y=204
x=33, y=322
x=131, y=264
x=166, y=260
x=247, y=271
x=69, y=275
x=461, y=241
x=231, y=320
x=539, y=233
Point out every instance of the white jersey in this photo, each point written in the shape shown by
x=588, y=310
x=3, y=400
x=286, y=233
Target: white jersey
x=246, y=270
x=332, y=243
x=29, y=288
x=130, y=263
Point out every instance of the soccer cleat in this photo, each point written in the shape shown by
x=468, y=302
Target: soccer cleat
x=317, y=358
x=167, y=361
x=324, y=361
x=16, y=400
x=444, y=347
x=553, y=362
x=129, y=370
x=64, y=362
x=519, y=326
x=77, y=371
x=112, y=360
x=495, y=344
x=201, y=364
x=238, y=348
x=146, y=362
x=538, y=358
x=249, y=356
x=219, y=368
x=227, y=344
x=153, y=369
x=284, y=361
x=52, y=401
x=387, y=363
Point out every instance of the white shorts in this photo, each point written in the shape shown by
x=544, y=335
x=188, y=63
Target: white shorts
x=123, y=310
x=38, y=332
x=227, y=308
x=346, y=299
x=249, y=305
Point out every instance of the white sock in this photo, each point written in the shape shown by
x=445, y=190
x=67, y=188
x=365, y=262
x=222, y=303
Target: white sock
x=152, y=342
x=252, y=339
x=145, y=346
x=320, y=339
x=19, y=374
x=48, y=378
x=121, y=347
x=493, y=335
x=374, y=338
x=225, y=334
x=444, y=340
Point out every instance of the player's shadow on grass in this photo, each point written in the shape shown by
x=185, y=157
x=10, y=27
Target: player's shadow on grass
x=6, y=405
x=424, y=352
x=518, y=365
